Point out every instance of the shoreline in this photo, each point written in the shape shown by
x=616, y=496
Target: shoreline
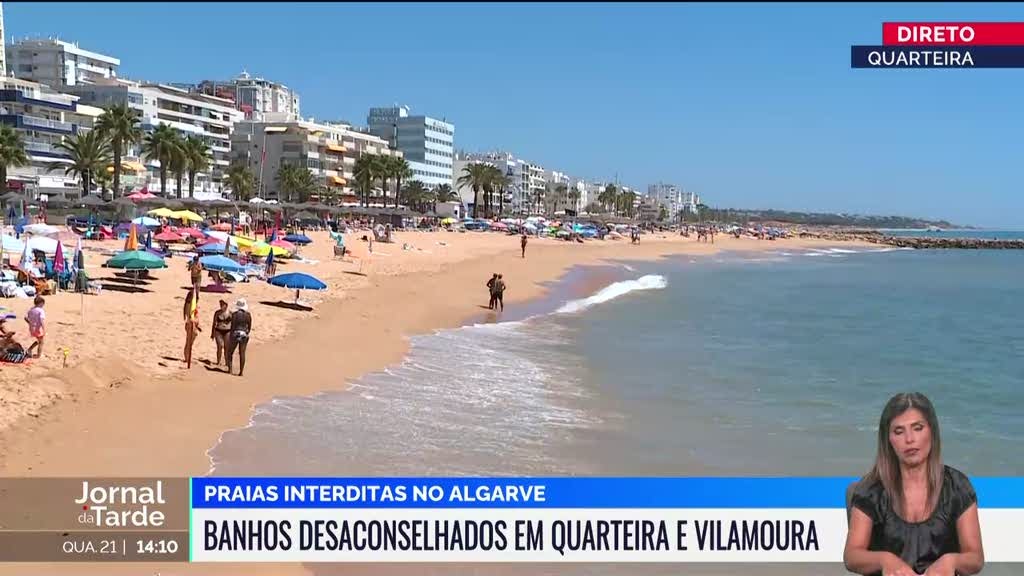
x=167, y=426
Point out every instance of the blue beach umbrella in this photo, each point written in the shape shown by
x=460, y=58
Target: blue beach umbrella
x=300, y=239
x=297, y=281
x=218, y=248
x=146, y=221
x=221, y=263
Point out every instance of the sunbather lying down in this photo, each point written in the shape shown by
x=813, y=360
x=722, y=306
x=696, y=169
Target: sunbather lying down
x=6, y=336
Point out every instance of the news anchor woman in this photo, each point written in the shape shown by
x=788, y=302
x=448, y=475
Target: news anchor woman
x=912, y=514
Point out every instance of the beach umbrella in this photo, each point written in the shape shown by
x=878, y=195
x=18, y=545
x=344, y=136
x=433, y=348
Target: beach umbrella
x=187, y=215
x=269, y=262
x=297, y=281
x=284, y=244
x=141, y=195
x=162, y=212
x=90, y=201
x=221, y=263
x=300, y=239
x=168, y=236
x=193, y=232
x=263, y=249
x=136, y=260
x=146, y=221
x=43, y=244
x=132, y=243
x=149, y=240
x=217, y=248
x=41, y=229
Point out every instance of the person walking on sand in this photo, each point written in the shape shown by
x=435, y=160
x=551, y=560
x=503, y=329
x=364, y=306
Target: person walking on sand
x=36, y=319
x=195, y=267
x=241, y=327
x=499, y=293
x=192, y=327
x=221, y=329
x=522, y=243
x=490, y=290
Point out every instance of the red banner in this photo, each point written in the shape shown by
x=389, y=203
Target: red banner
x=953, y=33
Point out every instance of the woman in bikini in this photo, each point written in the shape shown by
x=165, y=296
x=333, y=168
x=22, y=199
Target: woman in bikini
x=221, y=329
x=192, y=328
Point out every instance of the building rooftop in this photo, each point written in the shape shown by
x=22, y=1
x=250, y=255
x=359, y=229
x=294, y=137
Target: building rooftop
x=68, y=46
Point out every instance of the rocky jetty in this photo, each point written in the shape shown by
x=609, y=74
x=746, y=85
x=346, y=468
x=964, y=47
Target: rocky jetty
x=877, y=237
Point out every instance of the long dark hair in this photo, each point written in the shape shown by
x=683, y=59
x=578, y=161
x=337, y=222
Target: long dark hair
x=887, y=465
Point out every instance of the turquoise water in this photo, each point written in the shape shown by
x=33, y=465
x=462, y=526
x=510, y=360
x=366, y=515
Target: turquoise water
x=763, y=364
x=774, y=363
x=982, y=234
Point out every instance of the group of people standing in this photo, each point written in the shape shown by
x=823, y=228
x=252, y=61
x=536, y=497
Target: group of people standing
x=496, y=286
x=230, y=330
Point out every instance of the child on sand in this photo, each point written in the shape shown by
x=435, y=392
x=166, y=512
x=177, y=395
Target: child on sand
x=36, y=319
x=192, y=328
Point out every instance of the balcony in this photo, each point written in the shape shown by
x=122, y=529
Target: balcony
x=26, y=122
x=44, y=149
x=45, y=100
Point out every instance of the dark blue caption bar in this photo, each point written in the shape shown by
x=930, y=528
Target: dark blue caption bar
x=937, y=56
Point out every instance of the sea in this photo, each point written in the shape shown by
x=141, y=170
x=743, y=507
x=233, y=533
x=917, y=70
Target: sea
x=772, y=363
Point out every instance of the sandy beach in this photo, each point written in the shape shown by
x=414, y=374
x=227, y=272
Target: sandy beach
x=125, y=406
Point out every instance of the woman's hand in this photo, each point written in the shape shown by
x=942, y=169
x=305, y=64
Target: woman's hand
x=944, y=566
x=893, y=565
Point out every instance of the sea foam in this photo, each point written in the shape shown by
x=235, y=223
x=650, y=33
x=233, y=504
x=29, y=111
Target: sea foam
x=612, y=291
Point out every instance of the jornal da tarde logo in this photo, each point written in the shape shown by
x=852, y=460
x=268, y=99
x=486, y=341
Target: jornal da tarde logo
x=118, y=506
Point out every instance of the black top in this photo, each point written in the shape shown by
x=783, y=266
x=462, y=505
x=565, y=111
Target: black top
x=919, y=544
x=241, y=321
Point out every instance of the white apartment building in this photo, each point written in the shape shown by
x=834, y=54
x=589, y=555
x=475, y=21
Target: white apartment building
x=259, y=99
x=58, y=64
x=667, y=196
x=200, y=115
x=328, y=150
x=525, y=194
x=428, y=144
x=44, y=118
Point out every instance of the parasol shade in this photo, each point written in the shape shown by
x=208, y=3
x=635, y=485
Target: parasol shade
x=297, y=281
x=221, y=263
x=136, y=260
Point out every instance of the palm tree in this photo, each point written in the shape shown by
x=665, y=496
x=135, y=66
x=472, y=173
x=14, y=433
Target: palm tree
x=120, y=124
x=89, y=153
x=159, y=145
x=197, y=153
x=241, y=181
x=103, y=179
x=364, y=172
x=574, y=195
x=415, y=194
x=305, y=184
x=400, y=170
x=12, y=153
x=179, y=163
x=475, y=176
x=444, y=193
x=608, y=196
x=499, y=182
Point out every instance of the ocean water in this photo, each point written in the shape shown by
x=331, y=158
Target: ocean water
x=981, y=234
x=774, y=363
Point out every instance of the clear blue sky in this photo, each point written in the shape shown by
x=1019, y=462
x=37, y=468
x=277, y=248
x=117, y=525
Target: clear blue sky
x=749, y=105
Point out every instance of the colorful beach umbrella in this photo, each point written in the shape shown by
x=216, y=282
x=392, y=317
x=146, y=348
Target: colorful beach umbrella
x=132, y=243
x=146, y=221
x=262, y=249
x=186, y=215
x=136, y=260
x=162, y=212
x=58, y=259
x=217, y=248
x=168, y=236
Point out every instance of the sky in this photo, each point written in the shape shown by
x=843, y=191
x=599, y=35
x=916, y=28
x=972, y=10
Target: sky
x=749, y=105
